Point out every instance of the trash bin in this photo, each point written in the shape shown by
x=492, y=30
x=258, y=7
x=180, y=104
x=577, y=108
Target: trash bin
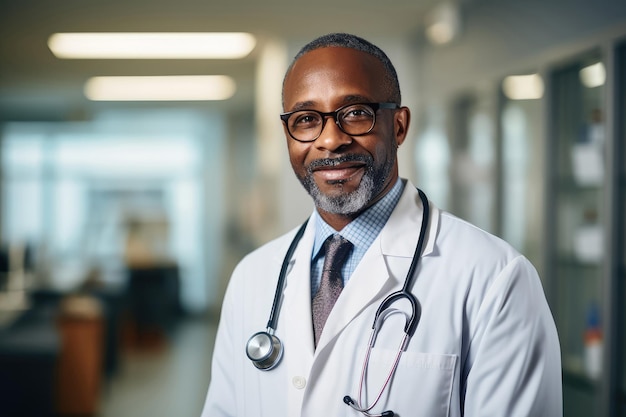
x=80, y=366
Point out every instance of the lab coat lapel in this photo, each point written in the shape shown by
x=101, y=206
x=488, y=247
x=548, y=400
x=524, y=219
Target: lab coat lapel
x=362, y=289
x=384, y=265
x=366, y=282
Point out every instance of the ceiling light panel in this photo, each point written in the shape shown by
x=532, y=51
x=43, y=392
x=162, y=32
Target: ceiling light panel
x=198, y=45
x=593, y=75
x=523, y=87
x=160, y=88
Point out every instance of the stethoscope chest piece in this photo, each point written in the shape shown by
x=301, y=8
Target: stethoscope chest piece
x=264, y=350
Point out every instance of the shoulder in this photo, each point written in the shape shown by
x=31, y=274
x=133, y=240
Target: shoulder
x=253, y=280
x=493, y=275
x=478, y=263
x=463, y=237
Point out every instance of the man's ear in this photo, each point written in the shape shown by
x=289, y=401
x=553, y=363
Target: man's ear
x=402, y=119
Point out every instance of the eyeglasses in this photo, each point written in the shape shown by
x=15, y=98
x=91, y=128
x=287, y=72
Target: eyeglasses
x=353, y=119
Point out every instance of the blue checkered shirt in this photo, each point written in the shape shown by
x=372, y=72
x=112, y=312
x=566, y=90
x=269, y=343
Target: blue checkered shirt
x=361, y=232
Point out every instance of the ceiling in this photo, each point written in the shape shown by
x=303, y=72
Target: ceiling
x=36, y=85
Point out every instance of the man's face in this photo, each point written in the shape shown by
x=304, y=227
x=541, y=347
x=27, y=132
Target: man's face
x=344, y=174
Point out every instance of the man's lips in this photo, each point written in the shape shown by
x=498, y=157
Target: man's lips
x=338, y=173
x=339, y=170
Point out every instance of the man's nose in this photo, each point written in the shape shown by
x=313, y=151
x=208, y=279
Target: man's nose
x=332, y=137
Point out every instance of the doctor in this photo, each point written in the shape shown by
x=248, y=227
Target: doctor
x=484, y=341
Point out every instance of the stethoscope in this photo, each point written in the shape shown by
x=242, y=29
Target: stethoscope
x=265, y=349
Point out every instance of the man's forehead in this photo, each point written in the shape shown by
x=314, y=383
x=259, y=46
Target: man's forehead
x=330, y=64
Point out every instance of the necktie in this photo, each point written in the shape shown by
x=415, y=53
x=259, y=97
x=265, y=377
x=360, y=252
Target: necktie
x=337, y=249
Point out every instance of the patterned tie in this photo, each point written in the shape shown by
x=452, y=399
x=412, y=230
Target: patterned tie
x=337, y=249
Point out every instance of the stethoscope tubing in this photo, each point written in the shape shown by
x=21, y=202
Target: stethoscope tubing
x=273, y=318
x=271, y=358
x=409, y=328
x=405, y=292
x=264, y=349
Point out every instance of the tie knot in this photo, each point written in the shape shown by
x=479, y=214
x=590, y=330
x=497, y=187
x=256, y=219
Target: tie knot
x=337, y=249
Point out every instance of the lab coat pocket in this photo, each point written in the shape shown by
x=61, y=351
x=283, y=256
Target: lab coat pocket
x=421, y=385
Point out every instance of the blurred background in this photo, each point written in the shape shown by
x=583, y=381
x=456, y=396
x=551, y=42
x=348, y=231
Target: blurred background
x=122, y=216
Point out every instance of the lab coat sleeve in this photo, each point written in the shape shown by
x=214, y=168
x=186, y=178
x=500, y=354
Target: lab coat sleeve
x=514, y=366
x=220, y=400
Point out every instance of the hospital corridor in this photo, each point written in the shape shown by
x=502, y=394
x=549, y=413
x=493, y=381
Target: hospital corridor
x=148, y=146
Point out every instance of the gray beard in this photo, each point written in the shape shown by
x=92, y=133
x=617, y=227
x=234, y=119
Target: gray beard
x=372, y=183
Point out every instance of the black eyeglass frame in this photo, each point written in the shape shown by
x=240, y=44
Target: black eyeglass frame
x=334, y=114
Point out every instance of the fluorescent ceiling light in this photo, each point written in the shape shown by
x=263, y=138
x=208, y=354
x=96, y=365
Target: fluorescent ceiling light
x=443, y=23
x=440, y=33
x=523, y=87
x=160, y=88
x=151, y=45
x=593, y=75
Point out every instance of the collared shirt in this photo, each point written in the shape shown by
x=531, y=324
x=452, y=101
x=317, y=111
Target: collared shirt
x=361, y=232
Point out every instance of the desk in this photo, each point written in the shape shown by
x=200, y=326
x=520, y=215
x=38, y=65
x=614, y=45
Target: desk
x=153, y=298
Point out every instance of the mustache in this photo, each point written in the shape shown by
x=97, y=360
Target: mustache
x=330, y=162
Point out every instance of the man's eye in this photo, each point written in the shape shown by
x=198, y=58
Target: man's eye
x=357, y=113
x=306, y=120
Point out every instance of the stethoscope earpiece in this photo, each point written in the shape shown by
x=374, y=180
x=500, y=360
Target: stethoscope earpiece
x=264, y=350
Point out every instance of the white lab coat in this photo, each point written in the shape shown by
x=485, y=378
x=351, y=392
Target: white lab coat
x=485, y=345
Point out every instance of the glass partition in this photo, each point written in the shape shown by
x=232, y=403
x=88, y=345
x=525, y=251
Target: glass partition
x=576, y=226
x=522, y=176
x=474, y=152
x=620, y=117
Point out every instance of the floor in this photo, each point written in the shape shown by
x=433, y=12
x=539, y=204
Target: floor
x=167, y=380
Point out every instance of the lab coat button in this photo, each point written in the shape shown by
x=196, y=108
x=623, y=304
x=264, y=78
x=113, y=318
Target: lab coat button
x=299, y=382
